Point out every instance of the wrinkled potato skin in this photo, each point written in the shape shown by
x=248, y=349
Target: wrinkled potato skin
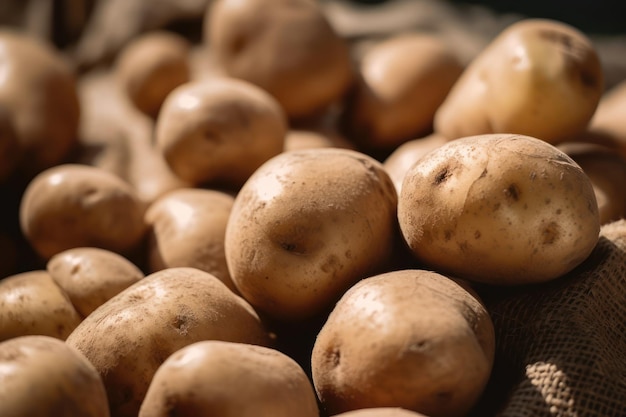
x=91, y=276
x=410, y=338
x=539, y=77
x=215, y=378
x=130, y=336
x=503, y=209
x=31, y=303
x=42, y=376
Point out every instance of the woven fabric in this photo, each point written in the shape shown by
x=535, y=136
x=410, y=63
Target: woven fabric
x=561, y=346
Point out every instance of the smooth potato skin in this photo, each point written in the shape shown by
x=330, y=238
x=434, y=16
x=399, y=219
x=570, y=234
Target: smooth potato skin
x=502, y=209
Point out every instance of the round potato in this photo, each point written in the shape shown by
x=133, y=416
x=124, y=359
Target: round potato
x=380, y=412
x=287, y=48
x=128, y=337
x=226, y=379
x=409, y=338
x=41, y=376
x=539, y=77
x=219, y=131
x=186, y=228
x=151, y=66
x=301, y=230
x=73, y=205
x=31, y=303
x=91, y=276
x=499, y=208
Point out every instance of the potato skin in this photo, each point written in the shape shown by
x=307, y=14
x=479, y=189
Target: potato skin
x=380, y=412
x=226, y=379
x=41, y=376
x=128, y=337
x=499, y=208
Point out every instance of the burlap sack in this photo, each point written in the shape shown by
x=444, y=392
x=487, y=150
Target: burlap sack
x=561, y=346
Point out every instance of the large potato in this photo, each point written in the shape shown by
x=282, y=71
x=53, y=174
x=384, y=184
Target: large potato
x=539, y=77
x=41, y=376
x=499, y=208
x=128, y=337
x=410, y=338
x=306, y=226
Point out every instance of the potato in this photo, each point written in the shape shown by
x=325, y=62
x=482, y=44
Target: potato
x=499, y=208
x=539, y=77
x=151, y=66
x=403, y=80
x=128, y=337
x=380, y=412
x=38, y=88
x=288, y=48
x=41, y=376
x=607, y=124
x=74, y=205
x=91, y=276
x=31, y=303
x=301, y=230
x=299, y=139
x=187, y=228
x=227, y=379
x=409, y=338
x=219, y=131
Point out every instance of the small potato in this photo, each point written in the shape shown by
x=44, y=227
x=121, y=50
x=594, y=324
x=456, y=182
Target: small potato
x=31, y=303
x=226, y=379
x=219, y=131
x=286, y=47
x=186, y=228
x=91, y=276
x=499, y=208
x=306, y=226
x=410, y=338
x=403, y=80
x=539, y=77
x=41, y=376
x=151, y=66
x=128, y=337
x=380, y=412
x=73, y=205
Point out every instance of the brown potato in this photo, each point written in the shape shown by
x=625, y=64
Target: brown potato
x=73, y=205
x=539, y=77
x=403, y=81
x=186, y=228
x=409, y=338
x=38, y=88
x=151, y=66
x=226, y=379
x=499, y=208
x=302, y=227
x=31, y=303
x=41, y=376
x=219, y=131
x=607, y=124
x=128, y=337
x=288, y=48
x=91, y=276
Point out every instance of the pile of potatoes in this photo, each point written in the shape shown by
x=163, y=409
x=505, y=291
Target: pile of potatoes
x=267, y=223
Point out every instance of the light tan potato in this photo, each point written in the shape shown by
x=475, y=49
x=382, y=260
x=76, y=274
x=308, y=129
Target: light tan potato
x=299, y=139
x=301, y=230
x=128, y=337
x=539, y=77
x=402, y=82
x=187, y=228
x=74, y=205
x=38, y=88
x=31, y=303
x=226, y=379
x=409, y=338
x=288, y=48
x=91, y=276
x=219, y=131
x=380, y=412
x=607, y=124
x=151, y=66
x=499, y=208
x=41, y=376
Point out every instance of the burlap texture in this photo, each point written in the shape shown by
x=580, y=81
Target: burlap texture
x=561, y=346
